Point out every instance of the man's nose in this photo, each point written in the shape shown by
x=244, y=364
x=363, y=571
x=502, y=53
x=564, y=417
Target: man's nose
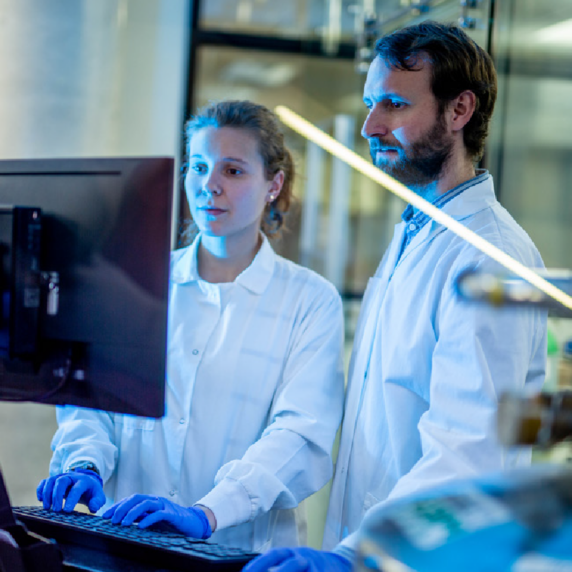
x=374, y=124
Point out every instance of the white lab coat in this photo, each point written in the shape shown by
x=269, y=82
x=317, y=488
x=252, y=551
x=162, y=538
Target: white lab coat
x=254, y=398
x=427, y=368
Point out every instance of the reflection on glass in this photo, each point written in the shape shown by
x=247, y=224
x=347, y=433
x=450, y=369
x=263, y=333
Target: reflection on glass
x=296, y=18
x=531, y=147
x=333, y=21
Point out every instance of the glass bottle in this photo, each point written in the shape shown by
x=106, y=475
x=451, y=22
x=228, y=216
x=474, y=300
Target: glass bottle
x=543, y=419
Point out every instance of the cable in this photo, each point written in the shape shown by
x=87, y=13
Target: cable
x=39, y=397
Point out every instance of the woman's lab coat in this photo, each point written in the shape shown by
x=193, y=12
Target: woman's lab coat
x=427, y=369
x=254, y=398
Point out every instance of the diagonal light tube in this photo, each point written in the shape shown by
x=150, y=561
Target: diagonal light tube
x=317, y=136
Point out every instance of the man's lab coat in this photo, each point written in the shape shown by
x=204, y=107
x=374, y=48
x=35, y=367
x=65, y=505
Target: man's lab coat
x=427, y=369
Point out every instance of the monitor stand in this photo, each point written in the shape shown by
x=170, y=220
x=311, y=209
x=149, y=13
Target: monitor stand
x=21, y=550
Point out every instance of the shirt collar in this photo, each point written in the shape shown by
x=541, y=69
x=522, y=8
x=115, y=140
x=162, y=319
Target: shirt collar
x=419, y=219
x=479, y=194
x=474, y=190
x=254, y=278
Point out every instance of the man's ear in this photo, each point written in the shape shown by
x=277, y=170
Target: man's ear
x=462, y=109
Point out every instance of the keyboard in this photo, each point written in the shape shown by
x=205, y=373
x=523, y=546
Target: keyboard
x=84, y=534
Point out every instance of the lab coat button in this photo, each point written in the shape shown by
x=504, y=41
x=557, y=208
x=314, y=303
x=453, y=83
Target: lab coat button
x=195, y=352
x=181, y=421
x=412, y=226
x=173, y=492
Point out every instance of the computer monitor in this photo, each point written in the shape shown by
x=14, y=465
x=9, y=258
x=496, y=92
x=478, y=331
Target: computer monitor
x=84, y=265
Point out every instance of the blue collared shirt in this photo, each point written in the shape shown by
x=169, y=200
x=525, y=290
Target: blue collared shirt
x=415, y=221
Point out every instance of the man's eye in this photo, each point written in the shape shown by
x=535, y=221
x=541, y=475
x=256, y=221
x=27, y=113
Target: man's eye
x=233, y=171
x=198, y=168
x=396, y=104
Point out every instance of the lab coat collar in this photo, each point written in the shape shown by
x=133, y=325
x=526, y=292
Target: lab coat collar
x=258, y=275
x=254, y=278
x=419, y=218
x=186, y=269
x=478, y=194
x=476, y=197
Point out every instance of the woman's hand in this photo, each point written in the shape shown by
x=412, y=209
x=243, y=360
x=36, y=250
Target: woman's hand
x=149, y=510
x=79, y=486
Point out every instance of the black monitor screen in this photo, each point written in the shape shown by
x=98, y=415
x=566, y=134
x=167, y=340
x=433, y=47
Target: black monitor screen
x=84, y=264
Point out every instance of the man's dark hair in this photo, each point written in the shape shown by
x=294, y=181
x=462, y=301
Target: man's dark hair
x=458, y=64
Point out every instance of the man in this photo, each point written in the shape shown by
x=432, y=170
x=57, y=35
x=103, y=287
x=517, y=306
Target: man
x=427, y=369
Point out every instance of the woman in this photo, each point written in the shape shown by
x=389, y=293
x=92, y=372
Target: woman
x=254, y=375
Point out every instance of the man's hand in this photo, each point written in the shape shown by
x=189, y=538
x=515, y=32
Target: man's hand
x=80, y=486
x=299, y=560
x=151, y=510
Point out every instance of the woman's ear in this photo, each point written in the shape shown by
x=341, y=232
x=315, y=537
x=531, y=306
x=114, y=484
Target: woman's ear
x=462, y=109
x=275, y=187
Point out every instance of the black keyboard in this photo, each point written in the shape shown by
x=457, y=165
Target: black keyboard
x=81, y=535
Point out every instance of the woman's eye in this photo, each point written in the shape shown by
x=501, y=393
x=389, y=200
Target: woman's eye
x=198, y=168
x=233, y=171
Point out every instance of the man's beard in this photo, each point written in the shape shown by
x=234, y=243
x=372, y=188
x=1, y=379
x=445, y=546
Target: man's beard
x=421, y=163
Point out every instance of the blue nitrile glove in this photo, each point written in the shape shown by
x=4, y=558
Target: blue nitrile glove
x=79, y=486
x=299, y=560
x=151, y=510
